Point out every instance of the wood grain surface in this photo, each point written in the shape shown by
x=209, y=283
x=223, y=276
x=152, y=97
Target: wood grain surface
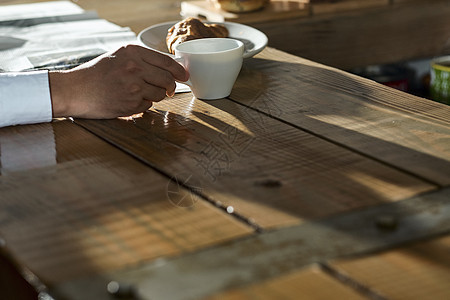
x=95, y=208
x=308, y=283
x=260, y=183
x=418, y=271
x=270, y=254
x=396, y=128
x=273, y=173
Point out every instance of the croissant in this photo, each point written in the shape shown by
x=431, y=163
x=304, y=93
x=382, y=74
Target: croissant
x=191, y=29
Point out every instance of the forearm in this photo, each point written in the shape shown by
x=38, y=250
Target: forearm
x=59, y=94
x=117, y=84
x=80, y=93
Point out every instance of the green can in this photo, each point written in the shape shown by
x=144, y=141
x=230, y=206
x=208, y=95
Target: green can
x=440, y=79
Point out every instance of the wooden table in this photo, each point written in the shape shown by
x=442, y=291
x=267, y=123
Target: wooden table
x=307, y=182
x=292, y=185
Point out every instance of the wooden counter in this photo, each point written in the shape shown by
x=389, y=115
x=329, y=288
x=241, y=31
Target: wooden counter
x=301, y=175
x=305, y=181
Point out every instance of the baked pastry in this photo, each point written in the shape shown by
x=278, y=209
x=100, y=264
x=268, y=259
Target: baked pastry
x=191, y=29
x=239, y=5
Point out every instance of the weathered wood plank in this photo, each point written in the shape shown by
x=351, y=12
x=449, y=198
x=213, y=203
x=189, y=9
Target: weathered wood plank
x=272, y=173
x=307, y=283
x=95, y=208
x=418, y=271
x=391, y=126
x=276, y=253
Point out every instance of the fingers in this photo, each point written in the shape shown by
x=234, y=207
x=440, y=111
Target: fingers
x=159, y=78
x=131, y=78
x=153, y=93
x=149, y=95
x=144, y=106
x=164, y=62
x=156, y=69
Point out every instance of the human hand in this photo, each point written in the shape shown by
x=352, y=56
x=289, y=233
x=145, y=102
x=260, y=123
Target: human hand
x=116, y=84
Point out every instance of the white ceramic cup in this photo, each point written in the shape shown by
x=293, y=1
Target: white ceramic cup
x=213, y=65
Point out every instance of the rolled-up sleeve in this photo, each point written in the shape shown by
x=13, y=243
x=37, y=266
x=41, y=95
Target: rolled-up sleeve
x=24, y=98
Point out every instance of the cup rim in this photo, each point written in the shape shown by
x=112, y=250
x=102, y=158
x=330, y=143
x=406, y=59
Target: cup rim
x=239, y=45
x=436, y=63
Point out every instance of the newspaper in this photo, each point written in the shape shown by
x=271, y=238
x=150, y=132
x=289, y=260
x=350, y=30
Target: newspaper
x=56, y=34
x=37, y=10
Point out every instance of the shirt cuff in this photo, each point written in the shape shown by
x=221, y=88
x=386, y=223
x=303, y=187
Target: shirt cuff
x=25, y=98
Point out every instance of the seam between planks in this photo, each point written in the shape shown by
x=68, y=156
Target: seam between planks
x=247, y=221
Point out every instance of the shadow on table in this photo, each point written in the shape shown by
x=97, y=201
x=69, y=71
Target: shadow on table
x=311, y=147
x=272, y=170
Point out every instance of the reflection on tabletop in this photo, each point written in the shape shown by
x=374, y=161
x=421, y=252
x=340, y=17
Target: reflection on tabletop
x=27, y=147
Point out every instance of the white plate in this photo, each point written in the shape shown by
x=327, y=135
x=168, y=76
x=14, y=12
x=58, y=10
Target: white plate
x=154, y=37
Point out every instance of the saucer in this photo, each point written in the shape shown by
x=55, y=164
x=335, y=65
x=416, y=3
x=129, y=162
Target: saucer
x=154, y=37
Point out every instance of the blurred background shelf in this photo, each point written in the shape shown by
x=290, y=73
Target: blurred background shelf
x=345, y=34
x=349, y=33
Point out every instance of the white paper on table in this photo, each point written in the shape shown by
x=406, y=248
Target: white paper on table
x=37, y=10
x=61, y=42
x=28, y=22
x=9, y=42
x=182, y=88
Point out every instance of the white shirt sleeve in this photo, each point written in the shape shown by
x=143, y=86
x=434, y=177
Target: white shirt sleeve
x=25, y=98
